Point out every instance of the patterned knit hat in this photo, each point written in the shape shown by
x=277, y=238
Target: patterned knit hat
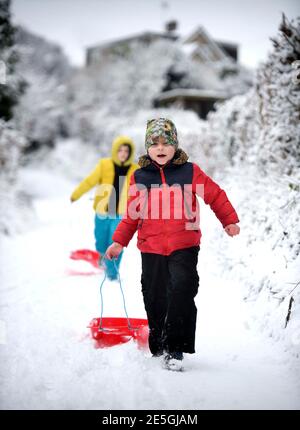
x=161, y=127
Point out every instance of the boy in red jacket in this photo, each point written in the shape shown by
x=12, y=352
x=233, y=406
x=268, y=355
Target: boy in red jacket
x=163, y=208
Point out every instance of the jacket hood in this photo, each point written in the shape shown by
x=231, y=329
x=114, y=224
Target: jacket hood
x=119, y=141
x=180, y=157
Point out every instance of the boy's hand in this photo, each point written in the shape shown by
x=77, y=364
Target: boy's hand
x=113, y=250
x=232, y=229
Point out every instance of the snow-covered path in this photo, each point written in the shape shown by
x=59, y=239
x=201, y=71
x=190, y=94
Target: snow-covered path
x=47, y=358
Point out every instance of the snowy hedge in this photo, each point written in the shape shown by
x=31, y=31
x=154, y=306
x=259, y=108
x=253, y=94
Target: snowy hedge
x=254, y=140
x=15, y=205
x=262, y=127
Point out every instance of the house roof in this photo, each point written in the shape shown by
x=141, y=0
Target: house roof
x=137, y=36
x=227, y=43
x=191, y=94
x=208, y=50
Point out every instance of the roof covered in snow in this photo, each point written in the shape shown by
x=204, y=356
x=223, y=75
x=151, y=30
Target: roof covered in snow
x=191, y=93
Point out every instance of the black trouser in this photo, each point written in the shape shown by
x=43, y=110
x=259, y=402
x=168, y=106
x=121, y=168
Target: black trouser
x=169, y=285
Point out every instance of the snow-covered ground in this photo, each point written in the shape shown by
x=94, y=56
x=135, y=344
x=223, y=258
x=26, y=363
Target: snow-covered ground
x=48, y=360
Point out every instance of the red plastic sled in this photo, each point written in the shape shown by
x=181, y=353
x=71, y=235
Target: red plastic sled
x=115, y=331
x=86, y=255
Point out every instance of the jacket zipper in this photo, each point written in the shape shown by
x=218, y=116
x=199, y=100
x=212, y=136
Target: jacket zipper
x=185, y=203
x=143, y=213
x=163, y=180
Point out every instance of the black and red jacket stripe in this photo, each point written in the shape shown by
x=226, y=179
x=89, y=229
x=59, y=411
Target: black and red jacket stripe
x=163, y=232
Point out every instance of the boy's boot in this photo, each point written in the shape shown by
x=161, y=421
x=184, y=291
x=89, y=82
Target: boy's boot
x=174, y=361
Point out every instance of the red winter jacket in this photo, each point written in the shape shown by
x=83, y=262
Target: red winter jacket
x=163, y=207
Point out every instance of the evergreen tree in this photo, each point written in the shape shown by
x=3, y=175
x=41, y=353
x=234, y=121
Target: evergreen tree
x=262, y=127
x=12, y=86
x=278, y=90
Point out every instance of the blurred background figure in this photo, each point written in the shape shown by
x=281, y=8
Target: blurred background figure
x=112, y=176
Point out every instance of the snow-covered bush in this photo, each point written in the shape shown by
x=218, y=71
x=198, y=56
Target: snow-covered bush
x=255, y=147
x=265, y=258
x=279, y=102
x=262, y=127
x=42, y=111
x=14, y=204
x=230, y=134
x=11, y=85
x=11, y=145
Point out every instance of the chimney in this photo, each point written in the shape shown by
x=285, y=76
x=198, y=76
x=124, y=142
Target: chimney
x=171, y=26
